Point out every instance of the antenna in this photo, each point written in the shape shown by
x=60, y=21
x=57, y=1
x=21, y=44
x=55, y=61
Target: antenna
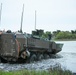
x=35, y=19
x=22, y=18
x=0, y=12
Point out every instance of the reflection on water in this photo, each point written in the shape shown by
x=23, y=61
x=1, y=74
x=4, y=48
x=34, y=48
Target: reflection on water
x=68, y=54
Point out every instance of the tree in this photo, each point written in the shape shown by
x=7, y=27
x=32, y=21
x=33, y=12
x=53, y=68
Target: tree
x=47, y=35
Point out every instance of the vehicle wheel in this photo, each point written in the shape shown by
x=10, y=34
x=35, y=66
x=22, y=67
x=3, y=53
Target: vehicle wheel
x=46, y=56
x=40, y=57
x=33, y=58
x=53, y=56
x=50, y=55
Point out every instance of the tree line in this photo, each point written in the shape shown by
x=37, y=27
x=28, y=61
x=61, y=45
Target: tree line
x=65, y=34
x=56, y=35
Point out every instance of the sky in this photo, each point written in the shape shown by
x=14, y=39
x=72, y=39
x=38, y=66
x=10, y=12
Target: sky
x=51, y=15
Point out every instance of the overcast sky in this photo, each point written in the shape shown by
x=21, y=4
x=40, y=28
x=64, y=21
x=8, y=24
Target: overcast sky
x=52, y=15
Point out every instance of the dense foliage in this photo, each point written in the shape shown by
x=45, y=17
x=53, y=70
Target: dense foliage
x=65, y=35
x=56, y=35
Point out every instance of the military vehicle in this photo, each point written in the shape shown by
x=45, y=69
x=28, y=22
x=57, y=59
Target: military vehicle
x=26, y=47
x=16, y=47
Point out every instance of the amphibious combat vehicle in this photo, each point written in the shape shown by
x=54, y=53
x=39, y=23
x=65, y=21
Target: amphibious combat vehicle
x=26, y=47
x=15, y=47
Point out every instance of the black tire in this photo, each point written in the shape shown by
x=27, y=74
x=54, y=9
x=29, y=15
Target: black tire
x=46, y=56
x=50, y=55
x=33, y=58
x=40, y=57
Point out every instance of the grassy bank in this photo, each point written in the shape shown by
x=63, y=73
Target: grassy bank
x=27, y=72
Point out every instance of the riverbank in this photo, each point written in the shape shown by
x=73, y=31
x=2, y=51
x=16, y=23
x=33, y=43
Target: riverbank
x=65, y=40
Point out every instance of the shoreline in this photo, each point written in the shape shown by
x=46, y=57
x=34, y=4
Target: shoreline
x=65, y=40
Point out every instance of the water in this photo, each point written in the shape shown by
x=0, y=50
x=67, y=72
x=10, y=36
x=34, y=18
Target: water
x=66, y=59
x=68, y=53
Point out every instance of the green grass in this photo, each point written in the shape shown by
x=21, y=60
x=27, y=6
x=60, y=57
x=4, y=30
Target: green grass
x=25, y=72
x=33, y=72
x=60, y=72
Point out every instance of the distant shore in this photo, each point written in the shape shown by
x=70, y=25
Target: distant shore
x=65, y=40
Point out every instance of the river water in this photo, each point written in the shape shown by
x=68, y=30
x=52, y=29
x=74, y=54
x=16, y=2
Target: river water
x=68, y=53
x=66, y=59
